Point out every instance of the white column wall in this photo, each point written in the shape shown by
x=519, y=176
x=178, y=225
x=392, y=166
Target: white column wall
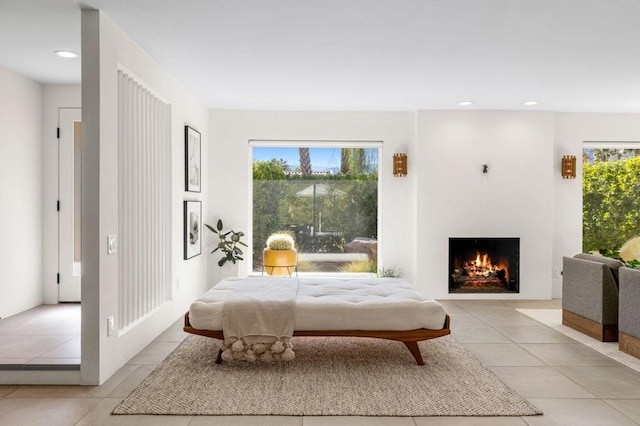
x=514, y=199
x=20, y=193
x=105, y=48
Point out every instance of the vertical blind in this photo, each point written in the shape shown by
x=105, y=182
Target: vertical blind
x=144, y=200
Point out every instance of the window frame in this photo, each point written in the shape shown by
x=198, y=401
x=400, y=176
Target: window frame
x=320, y=143
x=603, y=144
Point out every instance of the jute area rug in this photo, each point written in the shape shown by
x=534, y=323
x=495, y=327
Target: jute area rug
x=329, y=376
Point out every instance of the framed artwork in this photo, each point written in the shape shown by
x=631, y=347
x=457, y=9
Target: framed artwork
x=192, y=172
x=192, y=228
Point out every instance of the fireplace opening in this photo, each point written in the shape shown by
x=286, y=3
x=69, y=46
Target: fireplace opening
x=484, y=265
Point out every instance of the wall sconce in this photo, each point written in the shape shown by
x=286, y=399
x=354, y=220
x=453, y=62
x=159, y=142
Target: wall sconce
x=400, y=164
x=568, y=167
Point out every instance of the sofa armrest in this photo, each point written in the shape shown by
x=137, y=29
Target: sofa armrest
x=630, y=301
x=589, y=290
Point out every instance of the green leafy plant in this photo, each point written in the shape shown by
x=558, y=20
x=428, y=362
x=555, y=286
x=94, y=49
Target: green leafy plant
x=228, y=243
x=388, y=273
x=633, y=263
x=615, y=254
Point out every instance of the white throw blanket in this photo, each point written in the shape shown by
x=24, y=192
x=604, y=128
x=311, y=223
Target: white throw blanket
x=259, y=320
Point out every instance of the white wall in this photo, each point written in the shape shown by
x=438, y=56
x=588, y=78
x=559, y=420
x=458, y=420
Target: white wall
x=230, y=175
x=104, y=48
x=54, y=97
x=514, y=199
x=572, y=129
x=20, y=193
x=446, y=194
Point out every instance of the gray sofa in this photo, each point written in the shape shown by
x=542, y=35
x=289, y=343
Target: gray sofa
x=590, y=295
x=629, y=322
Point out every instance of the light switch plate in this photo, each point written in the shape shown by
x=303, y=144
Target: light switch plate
x=112, y=244
x=110, y=325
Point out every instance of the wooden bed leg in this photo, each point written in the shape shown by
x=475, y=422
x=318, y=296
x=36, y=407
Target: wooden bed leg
x=415, y=351
x=219, y=359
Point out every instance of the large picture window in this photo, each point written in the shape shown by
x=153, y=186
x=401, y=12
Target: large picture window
x=326, y=198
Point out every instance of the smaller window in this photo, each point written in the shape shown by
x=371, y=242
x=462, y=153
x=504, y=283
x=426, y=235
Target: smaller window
x=610, y=188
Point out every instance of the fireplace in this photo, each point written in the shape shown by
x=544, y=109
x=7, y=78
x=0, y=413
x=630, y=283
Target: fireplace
x=484, y=265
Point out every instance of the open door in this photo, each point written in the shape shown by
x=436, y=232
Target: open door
x=69, y=214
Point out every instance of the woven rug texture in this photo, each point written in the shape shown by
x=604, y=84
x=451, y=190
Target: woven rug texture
x=329, y=376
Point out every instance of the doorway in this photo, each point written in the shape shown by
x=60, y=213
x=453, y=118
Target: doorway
x=47, y=337
x=69, y=204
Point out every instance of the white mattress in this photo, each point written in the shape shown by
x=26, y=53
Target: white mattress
x=337, y=304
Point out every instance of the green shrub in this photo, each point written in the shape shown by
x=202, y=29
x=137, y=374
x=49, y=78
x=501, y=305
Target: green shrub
x=388, y=273
x=611, y=204
x=306, y=266
x=359, y=266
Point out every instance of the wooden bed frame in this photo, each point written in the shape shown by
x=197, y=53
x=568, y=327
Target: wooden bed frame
x=410, y=338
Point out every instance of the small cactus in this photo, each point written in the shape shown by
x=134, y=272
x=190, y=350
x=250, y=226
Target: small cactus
x=280, y=242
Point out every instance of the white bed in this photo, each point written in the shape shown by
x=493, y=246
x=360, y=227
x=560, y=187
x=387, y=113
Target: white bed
x=369, y=307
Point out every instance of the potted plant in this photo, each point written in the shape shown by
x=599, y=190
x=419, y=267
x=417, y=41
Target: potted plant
x=280, y=256
x=630, y=252
x=228, y=244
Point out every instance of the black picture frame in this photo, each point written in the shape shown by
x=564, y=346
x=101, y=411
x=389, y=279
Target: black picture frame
x=192, y=160
x=192, y=228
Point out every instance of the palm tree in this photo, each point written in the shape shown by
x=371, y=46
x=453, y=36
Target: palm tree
x=601, y=154
x=305, y=161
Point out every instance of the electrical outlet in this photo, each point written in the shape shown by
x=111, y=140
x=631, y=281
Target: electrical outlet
x=110, y=325
x=555, y=272
x=178, y=285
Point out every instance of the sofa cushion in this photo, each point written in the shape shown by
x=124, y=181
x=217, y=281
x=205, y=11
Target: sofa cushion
x=613, y=264
x=630, y=301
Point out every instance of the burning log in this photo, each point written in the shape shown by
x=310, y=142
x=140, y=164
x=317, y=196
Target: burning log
x=481, y=272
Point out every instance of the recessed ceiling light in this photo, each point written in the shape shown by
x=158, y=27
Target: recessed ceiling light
x=530, y=103
x=65, y=53
x=465, y=103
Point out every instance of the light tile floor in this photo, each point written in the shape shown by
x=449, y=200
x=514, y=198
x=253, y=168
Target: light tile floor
x=47, y=334
x=570, y=382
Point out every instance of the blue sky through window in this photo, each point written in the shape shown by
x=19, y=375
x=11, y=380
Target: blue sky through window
x=322, y=159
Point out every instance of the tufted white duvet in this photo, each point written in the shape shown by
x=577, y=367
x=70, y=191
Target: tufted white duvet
x=337, y=304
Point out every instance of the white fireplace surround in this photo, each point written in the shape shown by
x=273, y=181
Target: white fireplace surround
x=514, y=198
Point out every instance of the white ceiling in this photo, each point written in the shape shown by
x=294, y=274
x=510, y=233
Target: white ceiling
x=570, y=55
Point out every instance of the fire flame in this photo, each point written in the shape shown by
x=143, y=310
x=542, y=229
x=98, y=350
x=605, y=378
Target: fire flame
x=482, y=266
